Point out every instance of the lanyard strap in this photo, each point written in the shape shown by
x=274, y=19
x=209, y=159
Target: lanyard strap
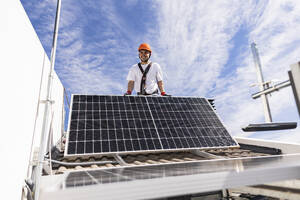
x=143, y=81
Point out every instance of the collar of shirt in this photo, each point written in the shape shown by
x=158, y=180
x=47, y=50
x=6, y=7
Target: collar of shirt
x=145, y=65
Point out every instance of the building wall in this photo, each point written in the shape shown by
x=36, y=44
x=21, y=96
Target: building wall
x=22, y=63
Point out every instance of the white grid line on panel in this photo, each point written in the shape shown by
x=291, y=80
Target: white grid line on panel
x=122, y=125
x=77, y=132
x=154, y=124
x=136, y=132
x=143, y=130
x=128, y=125
x=168, y=128
x=93, y=131
x=115, y=130
x=179, y=123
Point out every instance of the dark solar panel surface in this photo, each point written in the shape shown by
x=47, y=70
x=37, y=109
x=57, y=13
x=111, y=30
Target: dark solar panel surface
x=103, y=124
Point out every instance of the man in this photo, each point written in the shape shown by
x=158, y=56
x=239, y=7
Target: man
x=145, y=77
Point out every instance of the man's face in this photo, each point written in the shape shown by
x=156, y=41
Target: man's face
x=144, y=55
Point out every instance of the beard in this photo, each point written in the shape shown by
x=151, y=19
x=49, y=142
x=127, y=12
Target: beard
x=144, y=58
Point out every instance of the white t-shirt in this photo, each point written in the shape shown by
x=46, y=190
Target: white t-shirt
x=153, y=76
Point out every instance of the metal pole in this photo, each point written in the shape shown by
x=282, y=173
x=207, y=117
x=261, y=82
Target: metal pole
x=45, y=128
x=262, y=87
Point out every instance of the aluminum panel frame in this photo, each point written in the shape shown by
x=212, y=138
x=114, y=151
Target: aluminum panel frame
x=201, y=176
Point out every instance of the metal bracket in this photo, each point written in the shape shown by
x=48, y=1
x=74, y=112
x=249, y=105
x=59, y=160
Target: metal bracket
x=205, y=154
x=34, y=160
x=47, y=168
x=120, y=160
x=46, y=101
x=271, y=89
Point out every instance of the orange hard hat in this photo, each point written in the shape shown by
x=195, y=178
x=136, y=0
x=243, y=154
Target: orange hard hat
x=145, y=46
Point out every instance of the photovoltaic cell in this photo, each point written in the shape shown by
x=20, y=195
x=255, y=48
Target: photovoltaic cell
x=107, y=124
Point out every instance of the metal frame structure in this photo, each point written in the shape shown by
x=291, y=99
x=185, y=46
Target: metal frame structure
x=266, y=89
x=48, y=102
x=261, y=83
x=172, y=179
x=274, y=88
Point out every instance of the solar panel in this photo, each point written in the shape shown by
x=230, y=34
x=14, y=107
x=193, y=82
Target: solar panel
x=101, y=124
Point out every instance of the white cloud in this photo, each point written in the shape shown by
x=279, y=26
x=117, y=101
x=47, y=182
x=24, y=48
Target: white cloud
x=194, y=46
x=194, y=41
x=86, y=62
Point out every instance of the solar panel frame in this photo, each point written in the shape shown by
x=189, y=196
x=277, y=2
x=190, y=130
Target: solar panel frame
x=205, y=177
x=152, y=171
x=139, y=151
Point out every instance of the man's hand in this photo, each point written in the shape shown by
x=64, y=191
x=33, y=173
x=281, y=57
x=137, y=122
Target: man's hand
x=165, y=94
x=127, y=93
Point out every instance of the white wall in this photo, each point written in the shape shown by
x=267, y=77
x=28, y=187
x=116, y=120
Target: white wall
x=21, y=64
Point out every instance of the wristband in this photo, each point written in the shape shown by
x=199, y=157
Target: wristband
x=128, y=92
x=163, y=93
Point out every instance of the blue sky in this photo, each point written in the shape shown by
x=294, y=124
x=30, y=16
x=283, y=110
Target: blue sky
x=202, y=46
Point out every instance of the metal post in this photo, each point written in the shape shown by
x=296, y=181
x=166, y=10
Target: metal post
x=294, y=75
x=262, y=87
x=45, y=128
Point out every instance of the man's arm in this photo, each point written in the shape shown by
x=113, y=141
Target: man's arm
x=161, y=86
x=159, y=78
x=130, y=86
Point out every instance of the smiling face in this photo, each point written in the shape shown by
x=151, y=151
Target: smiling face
x=144, y=55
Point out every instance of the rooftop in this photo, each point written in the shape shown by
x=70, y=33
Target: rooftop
x=85, y=163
